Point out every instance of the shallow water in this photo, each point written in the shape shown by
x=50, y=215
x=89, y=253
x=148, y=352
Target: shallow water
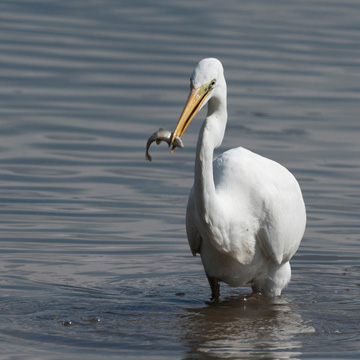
x=94, y=258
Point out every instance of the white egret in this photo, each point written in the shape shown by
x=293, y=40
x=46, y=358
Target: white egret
x=245, y=214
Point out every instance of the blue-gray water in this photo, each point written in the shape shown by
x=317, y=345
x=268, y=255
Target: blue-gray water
x=94, y=259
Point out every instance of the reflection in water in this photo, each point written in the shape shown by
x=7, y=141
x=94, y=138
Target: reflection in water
x=250, y=326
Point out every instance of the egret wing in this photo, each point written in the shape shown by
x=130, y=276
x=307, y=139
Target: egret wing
x=284, y=218
x=264, y=197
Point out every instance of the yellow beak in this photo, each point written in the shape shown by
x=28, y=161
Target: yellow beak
x=193, y=104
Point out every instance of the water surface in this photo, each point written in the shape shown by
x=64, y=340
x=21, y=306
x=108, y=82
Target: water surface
x=94, y=258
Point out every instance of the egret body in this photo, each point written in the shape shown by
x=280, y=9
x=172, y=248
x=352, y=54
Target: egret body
x=245, y=214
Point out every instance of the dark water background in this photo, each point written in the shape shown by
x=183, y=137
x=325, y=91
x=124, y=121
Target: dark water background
x=94, y=260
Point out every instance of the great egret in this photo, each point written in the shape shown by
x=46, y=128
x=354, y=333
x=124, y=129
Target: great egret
x=245, y=215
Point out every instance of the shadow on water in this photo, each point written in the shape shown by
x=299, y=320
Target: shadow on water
x=247, y=326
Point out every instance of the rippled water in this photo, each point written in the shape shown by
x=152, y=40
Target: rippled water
x=94, y=258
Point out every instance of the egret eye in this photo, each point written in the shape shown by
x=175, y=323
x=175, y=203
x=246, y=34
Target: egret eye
x=212, y=84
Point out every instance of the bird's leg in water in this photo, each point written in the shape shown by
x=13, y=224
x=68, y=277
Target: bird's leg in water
x=215, y=287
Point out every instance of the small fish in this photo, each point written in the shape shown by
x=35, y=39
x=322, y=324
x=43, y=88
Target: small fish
x=159, y=136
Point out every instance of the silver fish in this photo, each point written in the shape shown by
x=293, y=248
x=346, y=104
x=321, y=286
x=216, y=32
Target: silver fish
x=159, y=136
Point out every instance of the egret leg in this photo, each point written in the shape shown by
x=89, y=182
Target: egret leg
x=215, y=287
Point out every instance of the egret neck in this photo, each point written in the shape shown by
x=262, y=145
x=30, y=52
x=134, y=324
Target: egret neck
x=210, y=137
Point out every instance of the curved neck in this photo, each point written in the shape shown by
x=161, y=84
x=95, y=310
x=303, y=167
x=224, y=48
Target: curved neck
x=210, y=137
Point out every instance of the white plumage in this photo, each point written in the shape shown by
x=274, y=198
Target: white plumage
x=245, y=215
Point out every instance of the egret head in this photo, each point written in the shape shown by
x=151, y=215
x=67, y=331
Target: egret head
x=205, y=83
